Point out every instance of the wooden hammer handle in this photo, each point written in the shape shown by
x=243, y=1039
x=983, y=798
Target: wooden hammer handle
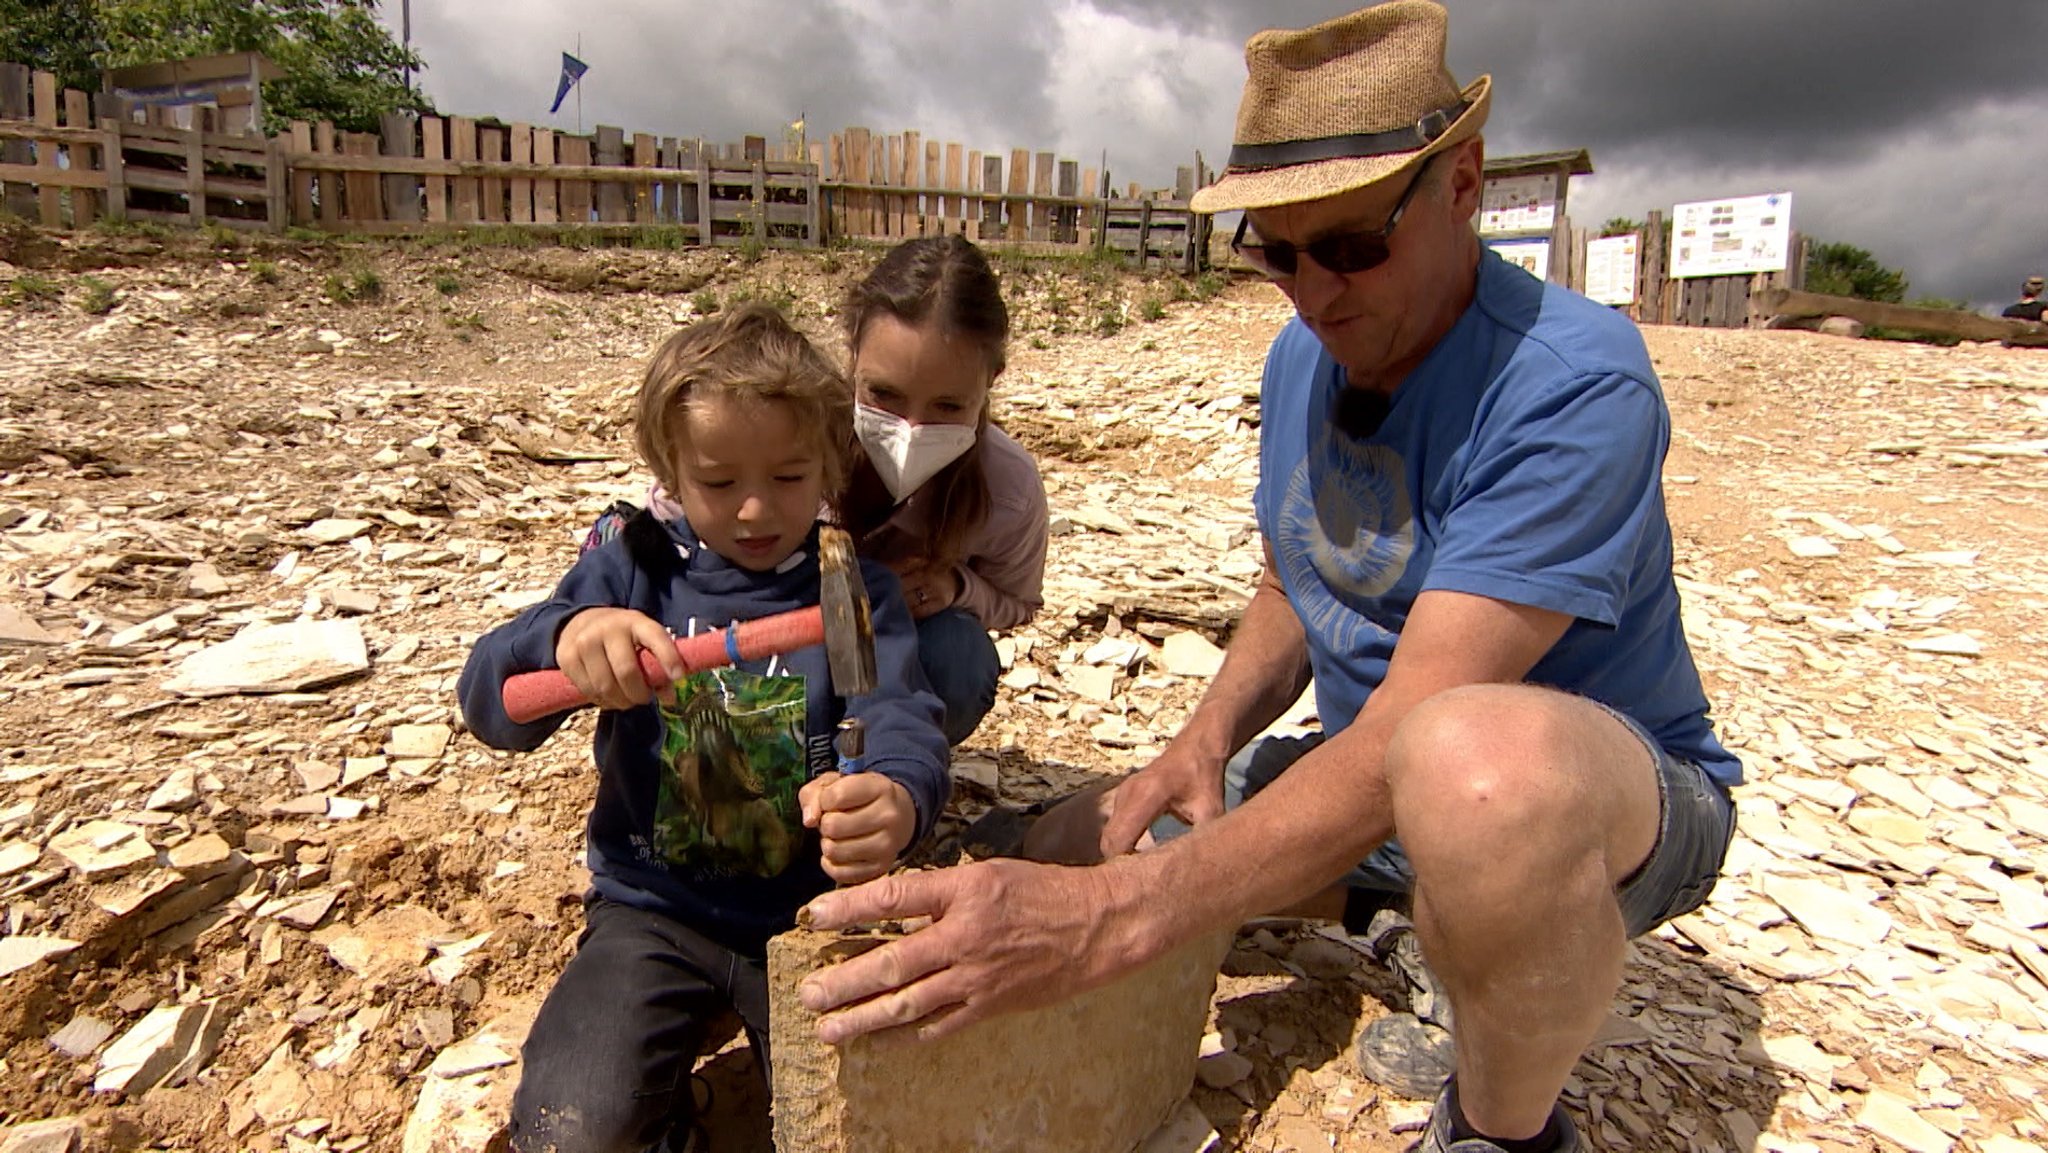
x=530, y=696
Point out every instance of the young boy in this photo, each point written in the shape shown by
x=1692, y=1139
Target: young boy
x=718, y=809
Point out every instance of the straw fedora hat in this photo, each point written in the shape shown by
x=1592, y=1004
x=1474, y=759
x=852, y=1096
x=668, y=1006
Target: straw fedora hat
x=1342, y=105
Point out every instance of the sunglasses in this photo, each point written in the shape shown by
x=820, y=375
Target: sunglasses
x=1343, y=253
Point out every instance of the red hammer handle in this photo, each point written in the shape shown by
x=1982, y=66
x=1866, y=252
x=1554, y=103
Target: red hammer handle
x=530, y=696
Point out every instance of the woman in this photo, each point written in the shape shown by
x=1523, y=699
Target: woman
x=940, y=495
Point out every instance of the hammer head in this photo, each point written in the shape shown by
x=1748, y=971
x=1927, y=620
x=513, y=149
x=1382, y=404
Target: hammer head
x=843, y=602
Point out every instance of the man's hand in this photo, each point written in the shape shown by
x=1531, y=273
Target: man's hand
x=1006, y=935
x=599, y=650
x=1179, y=781
x=864, y=822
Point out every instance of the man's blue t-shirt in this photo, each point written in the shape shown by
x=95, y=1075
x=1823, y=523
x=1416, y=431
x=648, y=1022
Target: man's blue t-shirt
x=1522, y=461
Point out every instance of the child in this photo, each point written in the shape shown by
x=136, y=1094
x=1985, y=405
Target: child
x=698, y=842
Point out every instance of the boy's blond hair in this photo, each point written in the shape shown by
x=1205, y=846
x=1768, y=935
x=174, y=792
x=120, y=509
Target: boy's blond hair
x=751, y=354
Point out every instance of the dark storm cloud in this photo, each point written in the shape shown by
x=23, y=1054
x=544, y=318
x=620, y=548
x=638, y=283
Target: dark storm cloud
x=1914, y=130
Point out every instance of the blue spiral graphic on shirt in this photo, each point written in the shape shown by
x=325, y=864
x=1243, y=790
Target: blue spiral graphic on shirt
x=1347, y=531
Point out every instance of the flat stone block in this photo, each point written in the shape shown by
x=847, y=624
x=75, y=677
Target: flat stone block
x=1096, y=1074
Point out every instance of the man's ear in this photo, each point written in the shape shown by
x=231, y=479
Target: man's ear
x=1468, y=176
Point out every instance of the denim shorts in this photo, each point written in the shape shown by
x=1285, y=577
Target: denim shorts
x=1695, y=826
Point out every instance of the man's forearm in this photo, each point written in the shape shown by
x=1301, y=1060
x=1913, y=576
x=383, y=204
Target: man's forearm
x=1264, y=671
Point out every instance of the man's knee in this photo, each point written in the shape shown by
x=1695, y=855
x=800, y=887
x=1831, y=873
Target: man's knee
x=1480, y=757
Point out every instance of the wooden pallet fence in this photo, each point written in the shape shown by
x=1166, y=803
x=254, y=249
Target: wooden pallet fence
x=894, y=187
x=71, y=160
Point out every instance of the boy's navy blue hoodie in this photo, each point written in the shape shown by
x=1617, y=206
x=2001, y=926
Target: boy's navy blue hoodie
x=696, y=812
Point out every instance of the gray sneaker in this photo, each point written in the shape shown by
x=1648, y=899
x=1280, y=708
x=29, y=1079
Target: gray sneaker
x=1437, y=1138
x=1406, y=1056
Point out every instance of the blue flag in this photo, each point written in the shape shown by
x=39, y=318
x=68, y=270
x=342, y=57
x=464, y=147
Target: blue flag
x=572, y=71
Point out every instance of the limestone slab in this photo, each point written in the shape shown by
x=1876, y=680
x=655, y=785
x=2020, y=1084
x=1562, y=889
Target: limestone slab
x=274, y=659
x=1094, y=1074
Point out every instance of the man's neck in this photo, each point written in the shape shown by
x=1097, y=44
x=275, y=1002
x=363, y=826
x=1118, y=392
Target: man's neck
x=1384, y=379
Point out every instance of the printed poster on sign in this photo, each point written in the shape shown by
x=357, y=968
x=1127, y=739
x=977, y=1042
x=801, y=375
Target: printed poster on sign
x=1725, y=237
x=1531, y=256
x=1511, y=204
x=1611, y=269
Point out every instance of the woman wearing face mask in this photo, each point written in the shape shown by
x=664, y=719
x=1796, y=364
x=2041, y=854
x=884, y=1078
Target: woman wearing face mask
x=940, y=495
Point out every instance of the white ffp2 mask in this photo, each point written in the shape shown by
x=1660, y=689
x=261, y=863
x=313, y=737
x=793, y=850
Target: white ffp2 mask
x=906, y=455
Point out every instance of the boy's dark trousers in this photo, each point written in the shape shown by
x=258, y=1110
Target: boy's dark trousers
x=606, y=1067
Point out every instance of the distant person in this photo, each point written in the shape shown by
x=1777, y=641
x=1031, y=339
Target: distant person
x=2029, y=306
x=720, y=808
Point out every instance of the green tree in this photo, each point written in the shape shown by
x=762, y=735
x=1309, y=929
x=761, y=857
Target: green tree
x=1846, y=270
x=1620, y=226
x=339, y=63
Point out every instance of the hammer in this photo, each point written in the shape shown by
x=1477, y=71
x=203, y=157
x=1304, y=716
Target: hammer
x=839, y=621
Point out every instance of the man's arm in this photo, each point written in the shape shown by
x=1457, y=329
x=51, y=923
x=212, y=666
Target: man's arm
x=1010, y=935
x=1263, y=672
x=1330, y=809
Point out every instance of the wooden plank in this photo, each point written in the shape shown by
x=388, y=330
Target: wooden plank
x=991, y=209
x=301, y=136
x=50, y=199
x=365, y=190
x=1068, y=218
x=1085, y=220
x=398, y=135
x=434, y=146
x=1041, y=185
x=546, y=192
x=462, y=146
x=611, y=197
x=705, y=230
x=85, y=203
x=276, y=198
x=1650, y=280
x=521, y=187
x=855, y=215
x=934, y=206
x=490, y=148
x=744, y=214
x=892, y=173
x=1102, y=212
x=907, y=210
x=578, y=196
x=1020, y=185
x=955, y=209
x=687, y=151
x=643, y=194
x=757, y=224
x=670, y=200
x=61, y=178
x=814, y=217
x=15, y=84
x=970, y=209
x=878, y=175
x=117, y=170
x=195, y=181
x=835, y=153
x=1145, y=235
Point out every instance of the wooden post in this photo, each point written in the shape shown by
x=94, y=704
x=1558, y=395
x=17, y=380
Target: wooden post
x=546, y=206
x=644, y=156
x=522, y=187
x=399, y=136
x=955, y=208
x=84, y=158
x=117, y=172
x=50, y=199
x=934, y=204
x=878, y=173
x=195, y=178
x=611, y=153
x=855, y=212
x=1020, y=186
x=1067, y=216
x=1144, y=234
x=276, y=189
x=300, y=134
x=1102, y=213
x=490, y=148
x=970, y=209
x=1041, y=185
x=20, y=198
x=686, y=191
x=462, y=146
x=1650, y=280
x=1084, y=219
x=365, y=190
x=892, y=213
x=671, y=208
x=707, y=224
x=578, y=196
x=991, y=206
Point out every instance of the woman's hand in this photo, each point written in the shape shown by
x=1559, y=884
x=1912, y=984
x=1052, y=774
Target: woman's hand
x=927, y=589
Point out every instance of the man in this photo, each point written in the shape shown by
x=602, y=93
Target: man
x=1466, y=545
x=2029, y=306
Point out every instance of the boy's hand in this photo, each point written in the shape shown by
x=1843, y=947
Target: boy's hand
x=864, y=822
x=599, y=651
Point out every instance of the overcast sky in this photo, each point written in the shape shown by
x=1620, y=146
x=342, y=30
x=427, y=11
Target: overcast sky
x=1917, y=131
